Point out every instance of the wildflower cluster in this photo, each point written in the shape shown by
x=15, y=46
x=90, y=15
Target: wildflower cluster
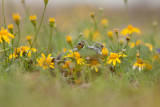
x=97, y=49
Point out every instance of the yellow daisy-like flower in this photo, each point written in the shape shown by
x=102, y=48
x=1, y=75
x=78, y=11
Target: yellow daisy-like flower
x=5, y=35
x=130, y=30
x=114, y=57
x=150, y=46
x=140, y=64
x=26, y=50
x=22, y=51
x=45, y=62
x=77, y=56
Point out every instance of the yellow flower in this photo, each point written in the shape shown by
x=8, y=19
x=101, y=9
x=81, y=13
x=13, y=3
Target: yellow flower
x=104, y=22
x=45, y=62
x=14, y=55
x=121, y=54
x=29, y=38
x=104, y=51
x=110, y=34
x=5, y=36
x=22, y=51
x=95, y=67
x=51, y=21
x=140, y=64
x=66, y=65
x=76, y=55
x=68, y=38
x=33, y=20
x=130, y=30
x=10, y=26
x=150, y=46
x=16, y=18
x=33, y=17
x=114, y=57
x=26, y=50
x=93, y=64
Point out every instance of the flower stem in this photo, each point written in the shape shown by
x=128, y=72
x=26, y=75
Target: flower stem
x=3, y=14
x=39, y=27
x=18, y=36
x=50, y=39
x=4, y=47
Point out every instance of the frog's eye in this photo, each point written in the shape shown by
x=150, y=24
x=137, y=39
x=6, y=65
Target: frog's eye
x=102, y=46
x=80, y=45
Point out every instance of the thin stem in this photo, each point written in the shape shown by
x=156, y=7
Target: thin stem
x=12, y=45
x=18, y=36
x=39, y=27
x=118, y=41
x=4, y=47
x=3, y=13
x=50, y=39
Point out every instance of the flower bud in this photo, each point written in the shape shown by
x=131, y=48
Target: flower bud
x=92, y=15
x=110, y=34
x=46, y=2
x=33, y=20
x=68, y=38
x=16, y=18
x=29, y=38
x=155, y=23
x=100, y=10
x=81, y=34
x=10, y=27
x=52, y=22
x=128, y=38
x=116, y=31
x=104, y=22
